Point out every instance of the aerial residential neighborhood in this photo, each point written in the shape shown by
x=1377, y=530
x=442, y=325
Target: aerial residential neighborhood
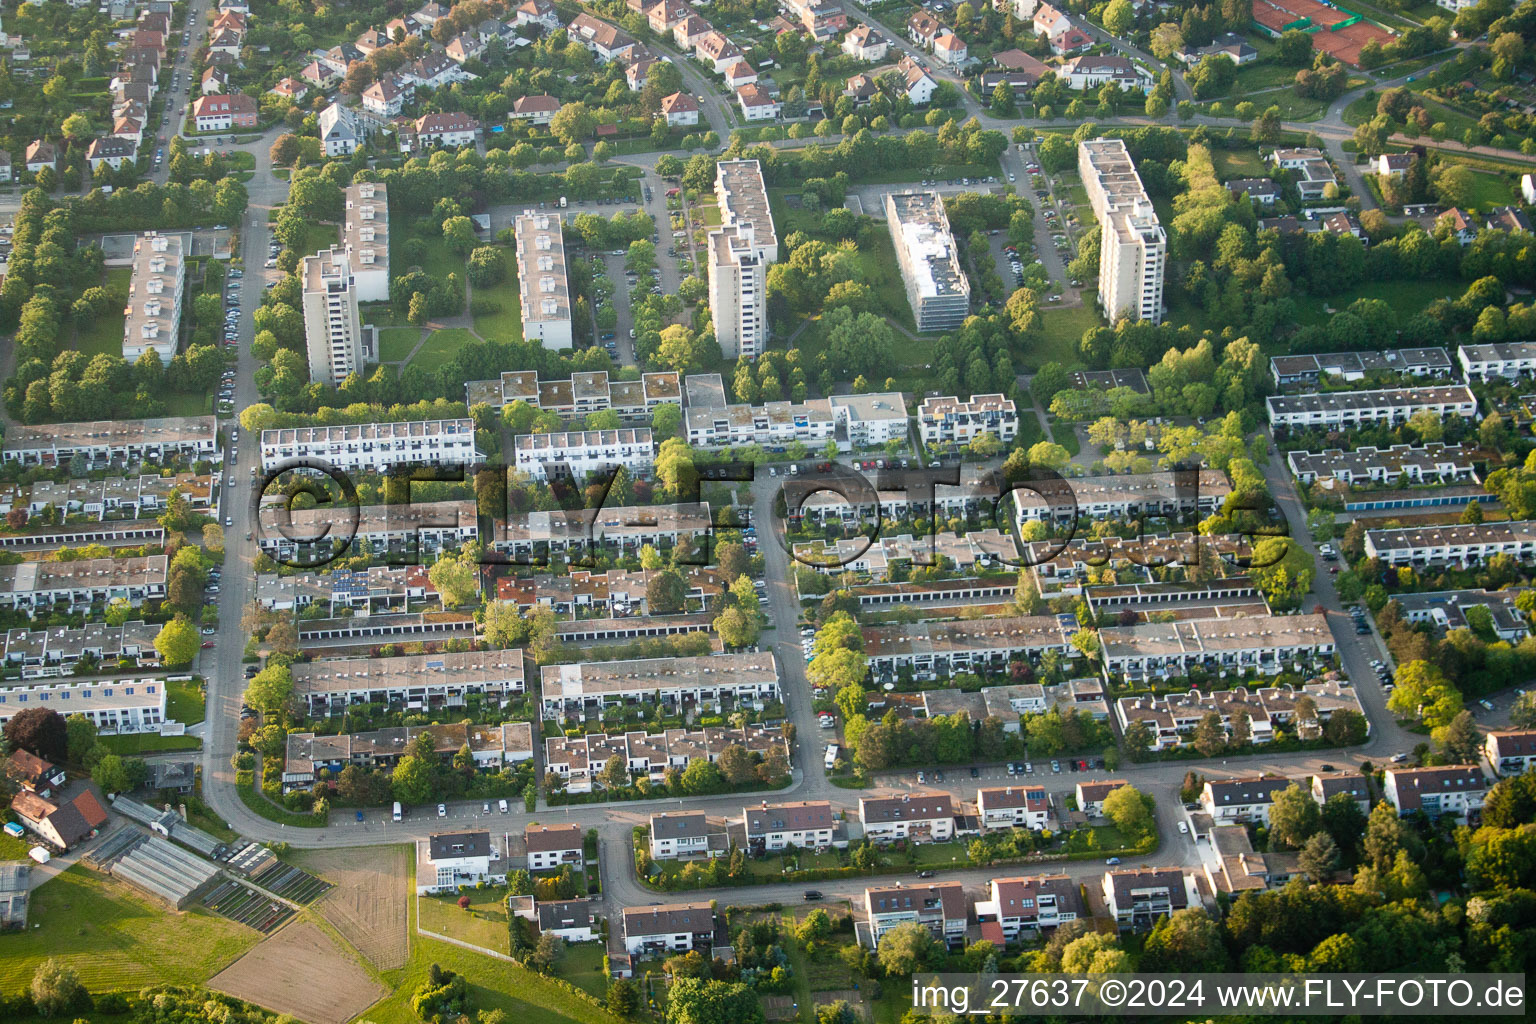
x=713, y=513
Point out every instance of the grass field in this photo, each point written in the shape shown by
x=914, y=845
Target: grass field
x=491, y=984
x=1405, y=297
x=180, y=403
x=319, y=236
x=1237, y=163
x=582, y=966
x=1261, y=74
x=483, y=924
x=184, y=703
x=117, y=941
x=441, y=346
x=105, y=334
x=147, y=743
x=1490, y=190
x=395, y=343
x=507, y=324
x=12, y=848
x=1063, y=330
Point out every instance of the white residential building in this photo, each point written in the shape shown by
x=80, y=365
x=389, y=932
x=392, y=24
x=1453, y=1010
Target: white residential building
x=1510, y=751
x=941, y=907
x=802, y=824
x=541, y=281
x=413, y=682
x=583, y=452
x=953, y=421
x=341, y=130
x=333, y=329
x=1240, y=801
x=668, y=928
x=1449, y=790
x=1025, y=905
x=452, y=859
x=937, y=289
x=740, y=252
x=373, y=447
x=1090, y=795
x=114, y=706
x=1133, y=248
x=153, y=321
x=1463, y=545
x=1511, y=360
x=680, y=834
x=1347, y=410
x=366, y=233
x=105, y=441
x=1004, y=807
x=584, y=689
x=920, y=817
x=1139, y=898
x=1265, y=643
x=551, y=847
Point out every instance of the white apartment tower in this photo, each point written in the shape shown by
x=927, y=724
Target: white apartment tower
x=937, y=289
x=1133, y=249
x=153, y=317
x=333, y=329
x=740, y=252
x=541, y=280
x=367, y=229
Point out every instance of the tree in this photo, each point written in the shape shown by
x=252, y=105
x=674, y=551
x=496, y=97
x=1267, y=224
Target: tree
x=547, y=952
x=271, y=689
x=623, y=997
x=82, y=737
x=1118, y=17
x=905, y=949
x=1459, y=738
x=1190, y=940
x=1049, y=455
x=817, y=925
x=41, y=731
x=110, y=774
x=702, y=1001
x=1209, y=736
x=737, y=628
x=1320, y=857
x=177, y=641
x=1523, y=714
x=1293, y=817
x=459, y=234
x=1128, y=809
x=412, y=780
x=456, y=579
x=1422, y=691
x=56, y=989
x=666, y=592
x=615, y=773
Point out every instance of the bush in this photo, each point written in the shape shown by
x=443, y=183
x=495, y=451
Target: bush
x=484, y=307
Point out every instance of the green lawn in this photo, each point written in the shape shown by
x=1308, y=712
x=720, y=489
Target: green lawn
x=507, y=323
x=1261, y=74
x=180, y=403
x=105, y=334
x=1064, y=328
x=319, y=236
x=12, y=848
x=483, y=924
x=1490, y=190
x=148, y=743
x=116, y=940
x=582, y=966
x=184, y=703
x=1405, y=297
x=442, y=346
x=1238, y=163
x=395, y=343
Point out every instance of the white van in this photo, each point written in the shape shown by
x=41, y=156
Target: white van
x=502, y=804
x=399, y=815
x=832, y=752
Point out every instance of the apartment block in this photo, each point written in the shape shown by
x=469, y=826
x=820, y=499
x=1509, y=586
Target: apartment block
x=448, y=860
x=953, y=421
x=1007, y=807
x=1447, y=610
x=945, y=646
x=739, y=254
x=1172, y=718
x=668, y=928
x=541, y=280
x=1288, y=371
x=413, y=682
x=1027, y=904
x=491, y=747
x=83, y=582
x=869, y=421
x=1327, y=785
x=920, y=817
x=305, y=534
x=1462, y=545
x=802, y=824
x=1241, y=801
x=1454, y=790
x=1266, y=644
x=587, y=688
x=679, y=834
x=937, y=289
x=373, y=447
x=1164, y=493
x=333, y=328
x=941, y=907
x=586, y=392
x=580, y=453
x=1509, y=360
x=113, y=706
x=366, y=237
x=1138, y=898
x=42, y=653
x=104, y=441
x=621, y=528
x=1345, y=410
x=1133, y=248
x=1510, y=751
x=153, y=316
x=1401, y=464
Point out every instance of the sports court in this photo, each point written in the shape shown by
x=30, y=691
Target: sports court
x=1336, y=31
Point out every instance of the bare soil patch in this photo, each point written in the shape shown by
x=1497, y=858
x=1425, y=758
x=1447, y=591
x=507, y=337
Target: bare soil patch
x=368, y=904
x=303, y=972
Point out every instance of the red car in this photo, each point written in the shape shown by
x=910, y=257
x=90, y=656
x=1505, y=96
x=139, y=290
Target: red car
x=207, y=644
